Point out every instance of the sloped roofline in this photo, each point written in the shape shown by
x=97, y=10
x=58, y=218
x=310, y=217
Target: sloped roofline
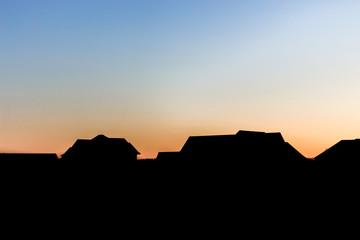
x=333, y=146
x=97, y=138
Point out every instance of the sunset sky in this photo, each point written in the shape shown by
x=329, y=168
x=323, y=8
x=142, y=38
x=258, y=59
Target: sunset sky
x=156, y=72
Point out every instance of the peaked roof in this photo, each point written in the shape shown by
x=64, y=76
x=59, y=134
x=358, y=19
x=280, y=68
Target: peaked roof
x=101, y=142
x=101, y=138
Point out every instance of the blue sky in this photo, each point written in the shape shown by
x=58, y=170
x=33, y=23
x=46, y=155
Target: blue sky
x=156, y=72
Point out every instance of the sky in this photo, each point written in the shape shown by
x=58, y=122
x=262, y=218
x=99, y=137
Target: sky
x=156, y=72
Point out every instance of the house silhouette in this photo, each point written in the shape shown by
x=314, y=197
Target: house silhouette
x=344, y=155
x=245, y=148
x=100, y=149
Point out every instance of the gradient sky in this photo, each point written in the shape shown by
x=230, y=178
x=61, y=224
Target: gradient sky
x=156, y=72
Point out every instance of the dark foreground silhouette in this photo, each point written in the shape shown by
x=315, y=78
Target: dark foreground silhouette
x=101, y=149
x=246, y=154
x=263, y=151
x=255, y=176
x=342, y=157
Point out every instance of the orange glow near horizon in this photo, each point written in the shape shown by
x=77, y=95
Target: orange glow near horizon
x=149, y=145
x=157, y=72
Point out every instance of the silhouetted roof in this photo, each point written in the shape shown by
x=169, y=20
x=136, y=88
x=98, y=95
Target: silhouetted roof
x=341, y=150
x=101, y=143
x=102, y=138
x=247, y=144
x=252, y=135
x=229, y=141
x=206, y=143
x=249, y=133
x=291, y=151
